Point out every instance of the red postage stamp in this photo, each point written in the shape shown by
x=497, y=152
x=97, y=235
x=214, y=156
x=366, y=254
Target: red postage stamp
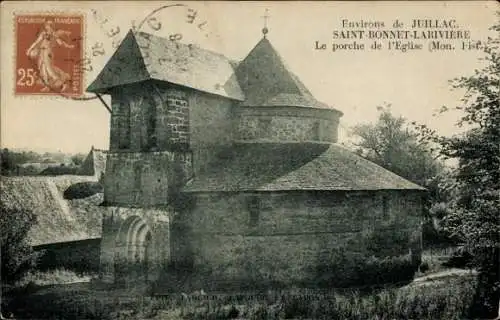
x=49, y=54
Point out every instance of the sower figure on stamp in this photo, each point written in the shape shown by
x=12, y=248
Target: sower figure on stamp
x=50, y=76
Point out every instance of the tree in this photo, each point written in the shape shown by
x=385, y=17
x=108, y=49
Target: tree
x=10, y=159
x=473, y=215
x=77, y=159
x=6, y=162
x=17, y=254
x=394, y=144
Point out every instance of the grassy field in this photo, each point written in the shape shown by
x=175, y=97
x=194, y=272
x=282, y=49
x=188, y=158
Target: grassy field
x=437, y=298
x=436, y=293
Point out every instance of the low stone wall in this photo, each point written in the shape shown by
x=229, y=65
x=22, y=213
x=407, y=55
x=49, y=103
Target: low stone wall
x=80, y=256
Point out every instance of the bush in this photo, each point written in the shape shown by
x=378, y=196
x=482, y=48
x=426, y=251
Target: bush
x=17, y=255
x=82, y=190
x=460, y=258
x=350, y=270
x=433, y=237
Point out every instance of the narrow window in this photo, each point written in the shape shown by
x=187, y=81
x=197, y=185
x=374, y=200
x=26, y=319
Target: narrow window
x=151, y=125
x=315, y=130
x=124, y=124
x=254, y=211
x=148, y=109
x=386, y=208
x=264, y=128
x=137, y=182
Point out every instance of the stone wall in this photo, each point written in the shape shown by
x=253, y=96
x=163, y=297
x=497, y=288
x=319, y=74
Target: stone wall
x=155, y=116
x=145, y=179
x=80, y=256
x=158, y=131
x=149, y=116
x=172, y=116
x=211, y=126
x=119, y=137
x=291, y=237
x=286, y=124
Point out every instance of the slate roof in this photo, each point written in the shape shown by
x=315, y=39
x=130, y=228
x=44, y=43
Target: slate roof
x=142, y=56
x=261, y=79
x=295, y=166
x=58, y=219
x=267, y=81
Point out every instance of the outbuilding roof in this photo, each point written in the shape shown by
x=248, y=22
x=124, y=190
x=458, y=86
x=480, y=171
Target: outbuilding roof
x=295, y=166
x=57, y=219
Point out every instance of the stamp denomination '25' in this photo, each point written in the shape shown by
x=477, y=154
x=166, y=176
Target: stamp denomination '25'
x=49, y=53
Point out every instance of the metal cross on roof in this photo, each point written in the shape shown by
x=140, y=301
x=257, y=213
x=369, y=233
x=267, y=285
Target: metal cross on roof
x=266, y=16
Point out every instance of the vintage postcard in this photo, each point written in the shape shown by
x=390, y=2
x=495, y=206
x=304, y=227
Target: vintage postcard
x=250, y=160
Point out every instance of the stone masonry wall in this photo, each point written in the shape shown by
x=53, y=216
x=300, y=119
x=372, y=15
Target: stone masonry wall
x=149, y=116
x=145, y=179
x=174, y=119
x=134, y=99
x=149, y=159
x=211, y=127
x=286, y=124
x=119, y=137
x=293, y=236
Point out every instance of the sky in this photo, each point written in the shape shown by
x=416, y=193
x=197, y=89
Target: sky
x=414, y=83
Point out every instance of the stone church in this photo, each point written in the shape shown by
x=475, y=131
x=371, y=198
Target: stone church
x=223, y=173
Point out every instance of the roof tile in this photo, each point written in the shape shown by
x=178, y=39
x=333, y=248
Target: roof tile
x=295, y=166
x=267, y=81
x=142, y=56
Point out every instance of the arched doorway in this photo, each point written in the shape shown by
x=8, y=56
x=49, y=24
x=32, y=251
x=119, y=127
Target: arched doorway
x=134, y=250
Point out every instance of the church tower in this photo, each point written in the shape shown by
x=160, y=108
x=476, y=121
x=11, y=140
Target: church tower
x=149, y=154
x=170, y=117
x=278, y=107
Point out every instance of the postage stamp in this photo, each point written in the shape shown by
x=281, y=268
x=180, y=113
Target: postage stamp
x=49, y=53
